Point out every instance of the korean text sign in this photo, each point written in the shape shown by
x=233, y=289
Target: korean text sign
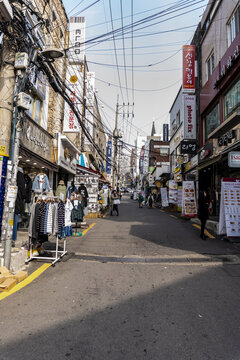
x=188, y=68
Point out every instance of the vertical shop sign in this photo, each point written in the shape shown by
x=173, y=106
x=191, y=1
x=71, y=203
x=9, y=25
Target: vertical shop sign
x=70, y=122
x=3, y=174
x=179, y=203
x=229, y=217
x=188, y=69
x=173, y=192
x=165, y=132
x=109, y=156
x=164, y=197
x=189, y=108
x=189, y=207
x=76, y=39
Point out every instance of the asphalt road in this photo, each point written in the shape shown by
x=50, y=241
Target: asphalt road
x=157, y=292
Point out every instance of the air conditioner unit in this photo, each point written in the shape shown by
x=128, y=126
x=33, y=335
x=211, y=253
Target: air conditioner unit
x=6, y=13
x=24, y=100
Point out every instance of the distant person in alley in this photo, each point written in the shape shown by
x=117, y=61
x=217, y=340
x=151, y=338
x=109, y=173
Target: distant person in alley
x=150, y=201
x=115, y=201
x=203, y=212
x=140, y=200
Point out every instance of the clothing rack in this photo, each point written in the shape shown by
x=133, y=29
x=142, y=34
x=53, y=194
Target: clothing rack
x=58, y=253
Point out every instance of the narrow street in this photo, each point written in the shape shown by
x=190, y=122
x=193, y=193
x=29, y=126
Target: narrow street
x=139, y=286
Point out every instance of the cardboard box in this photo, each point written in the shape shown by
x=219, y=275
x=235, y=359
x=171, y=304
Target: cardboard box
x=4, y=270
x=8, y=284
x=21, y=275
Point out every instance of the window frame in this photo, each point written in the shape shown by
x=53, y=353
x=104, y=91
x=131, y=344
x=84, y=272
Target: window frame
x=210, y=65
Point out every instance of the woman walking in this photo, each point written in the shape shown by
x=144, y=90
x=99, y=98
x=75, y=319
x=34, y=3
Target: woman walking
x=114, y=202
x=203, y=212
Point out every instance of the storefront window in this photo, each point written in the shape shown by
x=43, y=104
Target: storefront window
x=212, y=121
x=232, y=99
x=35, y=111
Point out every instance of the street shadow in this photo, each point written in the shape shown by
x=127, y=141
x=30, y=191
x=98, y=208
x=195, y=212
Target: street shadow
x=163, y=229
x=192, y=318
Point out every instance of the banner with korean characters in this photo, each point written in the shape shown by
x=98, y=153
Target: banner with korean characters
x=229, y=217
x=189, y=207
x=164, y=197
x=173, y=192
x=179, y=203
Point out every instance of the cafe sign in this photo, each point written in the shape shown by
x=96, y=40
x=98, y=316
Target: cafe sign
x=234, y=159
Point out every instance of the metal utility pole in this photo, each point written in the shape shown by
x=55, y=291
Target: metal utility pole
x=83, y=102
x=115, y=140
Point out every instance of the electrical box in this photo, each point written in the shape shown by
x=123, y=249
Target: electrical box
x=21, y=60
x=6, y=13
x=24, y=100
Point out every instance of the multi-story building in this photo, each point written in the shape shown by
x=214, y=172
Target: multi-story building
x=220, y=96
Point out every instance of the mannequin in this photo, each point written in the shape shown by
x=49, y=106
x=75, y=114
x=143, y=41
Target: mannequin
x=61, y=190
x=83, y=191
x=71, y=189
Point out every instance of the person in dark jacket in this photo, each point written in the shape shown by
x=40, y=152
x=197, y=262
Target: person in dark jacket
x=19, y=203
x=203, y=212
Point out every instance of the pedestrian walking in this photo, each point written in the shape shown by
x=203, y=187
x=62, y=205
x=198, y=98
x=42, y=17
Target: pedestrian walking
x=114, y=202
x=140, y=200
x=203, y=212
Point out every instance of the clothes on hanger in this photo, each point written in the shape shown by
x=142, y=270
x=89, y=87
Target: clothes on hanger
x=71, y=189
x=41, y=183
x=28, y=188
x=77, y=211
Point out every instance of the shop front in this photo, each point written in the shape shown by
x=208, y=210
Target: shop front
x=36, y=160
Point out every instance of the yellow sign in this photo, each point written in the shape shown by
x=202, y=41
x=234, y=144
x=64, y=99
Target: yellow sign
x=158, y=184
x=73, y=79
x=177, y=169
x=11, y=222
x=2, y=150
x=188, y=166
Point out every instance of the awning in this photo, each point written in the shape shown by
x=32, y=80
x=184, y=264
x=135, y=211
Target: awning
x=227, y=125
x=42, y=162
x=87, y=170
x=209, y=162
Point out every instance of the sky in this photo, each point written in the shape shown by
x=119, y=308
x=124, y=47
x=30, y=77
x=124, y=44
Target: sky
x=153, y=57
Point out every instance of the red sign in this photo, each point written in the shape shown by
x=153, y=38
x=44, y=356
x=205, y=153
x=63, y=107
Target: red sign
x=189, y=68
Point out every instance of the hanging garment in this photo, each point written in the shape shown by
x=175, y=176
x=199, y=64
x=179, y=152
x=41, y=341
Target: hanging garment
x=70, y=190
x=41, y=183
x=21, y=194
x=68, y=212
x=55, y=222
x=77, y=211
x=50, y=219
x=28, y=188
x=61, y=192
x=61, y=216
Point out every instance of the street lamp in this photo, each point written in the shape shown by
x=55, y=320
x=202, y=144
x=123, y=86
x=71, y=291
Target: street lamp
x=52, y=53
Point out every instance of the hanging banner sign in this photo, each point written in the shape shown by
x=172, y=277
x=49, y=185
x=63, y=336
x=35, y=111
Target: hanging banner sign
x=189, y=113
x=188, y=147
x=179, y=202
x=188, y=69
x=189, y=207
x=229, y=217
x=173, y=192
x=164, y=197
x=77, y=27
x=109, y=156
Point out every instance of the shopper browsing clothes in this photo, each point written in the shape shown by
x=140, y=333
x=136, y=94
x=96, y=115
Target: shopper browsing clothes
x=114, y=202
x=203, y=212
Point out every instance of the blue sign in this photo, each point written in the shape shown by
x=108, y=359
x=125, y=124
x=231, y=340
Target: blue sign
x=3, y=174
x=109, y=156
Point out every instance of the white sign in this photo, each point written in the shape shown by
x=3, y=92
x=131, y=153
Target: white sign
x=234, y=159
x=229, y=217
x=189, y=107
x=76, y=40
x=74, y=80
x=164, y=197
x=90, y=88
x=89, y=121
x=189, y=207
x=173, y=192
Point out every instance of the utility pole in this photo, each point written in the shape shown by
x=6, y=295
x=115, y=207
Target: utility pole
x=115, y=140
x=83, y=103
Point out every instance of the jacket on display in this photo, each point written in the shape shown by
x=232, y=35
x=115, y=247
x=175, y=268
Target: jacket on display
x=21, y=194
x=36, y=184
x=70, y=190
x=28, y=187
x=77, y=211
x=83, y=191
